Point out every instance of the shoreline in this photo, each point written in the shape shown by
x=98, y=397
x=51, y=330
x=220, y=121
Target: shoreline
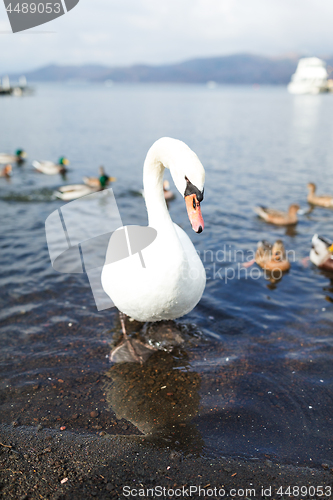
x=44, y=463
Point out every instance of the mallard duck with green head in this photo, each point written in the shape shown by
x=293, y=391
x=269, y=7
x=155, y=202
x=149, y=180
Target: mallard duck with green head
x=19, y=157
x=50, y=168
x=99, y=182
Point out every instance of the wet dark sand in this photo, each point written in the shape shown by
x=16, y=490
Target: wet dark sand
x=40, y=463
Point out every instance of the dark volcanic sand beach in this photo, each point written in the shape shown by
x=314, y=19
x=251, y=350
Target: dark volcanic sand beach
x=42, y=463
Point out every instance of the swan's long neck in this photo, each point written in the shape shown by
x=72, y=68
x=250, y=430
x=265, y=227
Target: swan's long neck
x=158, y=214
x=184, y=166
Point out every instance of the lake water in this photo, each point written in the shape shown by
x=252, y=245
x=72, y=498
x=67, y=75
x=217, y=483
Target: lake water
x=254, y=374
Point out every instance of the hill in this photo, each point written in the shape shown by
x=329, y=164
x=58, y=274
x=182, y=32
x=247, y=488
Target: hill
x=232, y=69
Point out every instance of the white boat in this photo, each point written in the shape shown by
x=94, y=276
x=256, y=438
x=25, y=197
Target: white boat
x=310, y=77
x=17, y=90
x=74, y=191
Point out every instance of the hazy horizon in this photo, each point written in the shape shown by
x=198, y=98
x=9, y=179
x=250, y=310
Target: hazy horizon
x=145, y=32
x=291, y=56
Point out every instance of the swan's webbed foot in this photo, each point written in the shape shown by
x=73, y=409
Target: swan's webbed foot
x=130, y=350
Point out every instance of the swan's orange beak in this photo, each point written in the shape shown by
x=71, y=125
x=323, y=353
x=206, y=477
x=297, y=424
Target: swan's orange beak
x=194, y=212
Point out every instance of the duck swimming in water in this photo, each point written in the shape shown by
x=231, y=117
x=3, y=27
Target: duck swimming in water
x=50, y=168
x=99, y=182
x=323, y=200
x=272, y=258
x=278, y=217
x=19, y=157
x=168, y=194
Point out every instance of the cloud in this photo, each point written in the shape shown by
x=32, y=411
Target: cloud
x=119, y=33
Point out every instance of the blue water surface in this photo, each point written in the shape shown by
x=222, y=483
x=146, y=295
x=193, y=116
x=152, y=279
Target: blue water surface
x=263, y=349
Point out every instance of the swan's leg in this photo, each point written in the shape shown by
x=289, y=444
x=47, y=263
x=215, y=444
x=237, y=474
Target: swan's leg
x=131, y=349
x=122, y=318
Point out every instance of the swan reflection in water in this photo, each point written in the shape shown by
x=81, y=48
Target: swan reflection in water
x=161, y=395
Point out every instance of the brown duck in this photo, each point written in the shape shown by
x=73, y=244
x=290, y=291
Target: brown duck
x=278, y=217
x=324, y=200
x=272, y=258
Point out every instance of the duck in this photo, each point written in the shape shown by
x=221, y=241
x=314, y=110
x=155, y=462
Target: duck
x=278, y=217
x=99, y=182
x=324, y=200
x=321, y=254
x=74, y=191
x=272, y=258
x=168, y=194
x=19, y=157
x=50, y=168
x=172, y=280
x=6, y=171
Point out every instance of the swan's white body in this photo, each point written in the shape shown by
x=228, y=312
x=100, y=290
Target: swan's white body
x=174, y=278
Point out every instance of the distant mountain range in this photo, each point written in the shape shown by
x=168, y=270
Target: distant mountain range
x=232, y=69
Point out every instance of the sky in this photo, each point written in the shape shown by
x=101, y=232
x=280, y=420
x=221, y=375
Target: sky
x=124, y=32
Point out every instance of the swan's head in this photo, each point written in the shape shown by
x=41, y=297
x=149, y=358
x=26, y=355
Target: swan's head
x=186, y=170
x=193, y=197
x=188, y=175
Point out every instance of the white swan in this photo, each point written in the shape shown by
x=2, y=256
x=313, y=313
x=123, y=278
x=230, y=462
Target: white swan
x=174, y=278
